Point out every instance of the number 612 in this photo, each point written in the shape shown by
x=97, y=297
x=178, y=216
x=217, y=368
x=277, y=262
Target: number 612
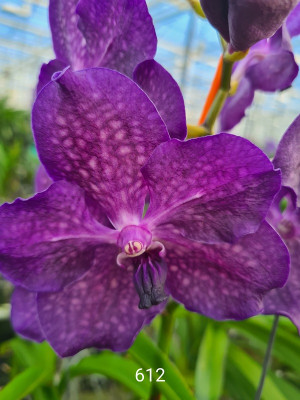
x=139, y=376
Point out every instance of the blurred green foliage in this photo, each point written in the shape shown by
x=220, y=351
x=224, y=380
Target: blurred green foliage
x=18, y=158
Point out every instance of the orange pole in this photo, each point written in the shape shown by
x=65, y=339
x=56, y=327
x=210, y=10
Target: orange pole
x=215, y=86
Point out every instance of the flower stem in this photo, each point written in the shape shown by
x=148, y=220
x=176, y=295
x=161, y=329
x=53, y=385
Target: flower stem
x=215, y=86
x=164, y=338
x=221, y=95
x=267, y=358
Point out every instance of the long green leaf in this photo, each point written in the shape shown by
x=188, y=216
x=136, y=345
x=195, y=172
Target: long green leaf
x=148, y=355
x=286, y=347
x=115, y=367
x=24, y=383
x=210, y=364
x=252, y=370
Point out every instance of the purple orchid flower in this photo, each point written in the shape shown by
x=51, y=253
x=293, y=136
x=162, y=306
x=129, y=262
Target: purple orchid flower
x=90, y=270
x=286, y=301
x=269, y=66
x=244, y=23
x=118, y=35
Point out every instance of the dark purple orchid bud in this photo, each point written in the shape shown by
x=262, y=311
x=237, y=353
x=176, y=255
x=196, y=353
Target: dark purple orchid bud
x=243, y=23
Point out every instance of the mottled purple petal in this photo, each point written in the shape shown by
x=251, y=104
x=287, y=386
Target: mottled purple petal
x=49, y=240
x=227, y=280
x=68, y=42
x=293, y=21
x=211, y=189
x=47, y=70
x=24, y=315
x=235, y=106
x=42, y=179
x=119, y=33
x=103, y=129
x=286, y=301
x=165, y=94
x=287, y=157
x=100, y=310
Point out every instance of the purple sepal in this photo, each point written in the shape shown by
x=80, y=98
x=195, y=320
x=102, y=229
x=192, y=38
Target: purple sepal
x=287, y=157
x=119, y=35
x=68, y=42
x=98, y=119
x=235, y=106
x=165, y=93
x=24, y=315
x=293, y=21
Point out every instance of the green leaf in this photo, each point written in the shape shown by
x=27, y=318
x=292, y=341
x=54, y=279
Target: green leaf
x=252, y=371
x=286, y=347
x=210, y=364
x=148, y=355
x=24, y=383
x=115, y=367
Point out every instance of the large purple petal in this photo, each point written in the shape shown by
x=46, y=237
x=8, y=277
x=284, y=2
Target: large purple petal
x=235, y=106
x=24, y=315
x=68, y=42
x=46, y=72
x=119, y=33
x=211, y=189
x=293, y=21
x=286, y=301
x=165, y=94
x=100, y=310
x=49, y=240
x=287, y=157
x=226, y=280
x=103, y=129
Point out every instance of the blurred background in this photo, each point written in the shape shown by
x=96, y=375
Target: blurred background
x=188, y=48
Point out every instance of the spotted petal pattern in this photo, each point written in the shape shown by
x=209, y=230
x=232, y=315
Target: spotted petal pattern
x=165, y=94
x=49, y=240
x=100, y=310
x=24, y=315
x=119, y=33
x=226, y=280
x=68, y=42
x=99, y=140
x=211, y=189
